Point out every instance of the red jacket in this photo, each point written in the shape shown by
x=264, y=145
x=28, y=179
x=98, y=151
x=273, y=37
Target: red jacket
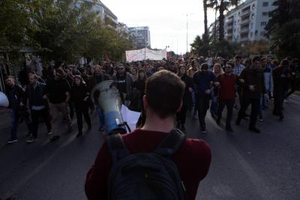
x=192, y=160
x=227, y=86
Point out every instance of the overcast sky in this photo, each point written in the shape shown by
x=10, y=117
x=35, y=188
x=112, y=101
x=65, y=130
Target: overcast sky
x=167, y=20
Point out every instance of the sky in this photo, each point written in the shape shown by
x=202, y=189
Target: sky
x=166, y=19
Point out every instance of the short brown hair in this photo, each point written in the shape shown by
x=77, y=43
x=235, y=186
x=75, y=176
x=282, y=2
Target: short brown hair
x=164, y=92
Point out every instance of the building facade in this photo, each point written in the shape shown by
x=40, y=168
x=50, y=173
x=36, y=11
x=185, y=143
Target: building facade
x=140, y=37
x=106, y=15
x=247, y=21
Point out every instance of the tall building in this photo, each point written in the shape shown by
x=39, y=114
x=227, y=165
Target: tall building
x=140, y=37
x=247, y=21
x=104, y=12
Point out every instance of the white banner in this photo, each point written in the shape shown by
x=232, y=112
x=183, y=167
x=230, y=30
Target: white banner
x=145, y=54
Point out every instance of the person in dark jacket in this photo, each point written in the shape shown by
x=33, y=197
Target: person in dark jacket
x=203, y=80
x=124, y=83
x=181, y=115
x=282, y=77
x=80, y=95
x=17, y=104
x=36, y=93
x=58, y=93
x=252, y=81
x=138, y=88
x=96, y=78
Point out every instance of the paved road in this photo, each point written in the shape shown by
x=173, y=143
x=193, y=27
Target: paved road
x=244, y=165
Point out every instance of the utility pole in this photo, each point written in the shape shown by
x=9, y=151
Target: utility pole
x=187, y=31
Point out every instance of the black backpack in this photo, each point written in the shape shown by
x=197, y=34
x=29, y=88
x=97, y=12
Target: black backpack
x=145, y=176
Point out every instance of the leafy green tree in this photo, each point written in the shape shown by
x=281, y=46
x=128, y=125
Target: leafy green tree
x=286, y=40
x=17, y=25
x=199, y=47
x=286, y=10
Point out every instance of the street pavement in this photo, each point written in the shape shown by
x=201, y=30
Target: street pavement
x=244, y=166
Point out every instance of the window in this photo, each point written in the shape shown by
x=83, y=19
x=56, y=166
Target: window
x=265, y=14
x=251, y=25
x=253, y=6
x=262, y=33
x=251, y=34
x=265, y=4
x=263, y=24
x=234, y=30
x=252, y=16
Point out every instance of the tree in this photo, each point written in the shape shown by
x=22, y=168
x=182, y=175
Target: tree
x=286, y=40
x=283, y=28
x=17, y=25
x=199, y=47
x=285, y=11
x=222, y=6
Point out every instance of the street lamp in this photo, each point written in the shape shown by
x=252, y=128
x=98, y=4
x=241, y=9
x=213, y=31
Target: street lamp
x=187, y=31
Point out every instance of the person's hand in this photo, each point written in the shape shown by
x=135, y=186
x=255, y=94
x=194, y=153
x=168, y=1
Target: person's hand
x=283, y=76
x=216, y=83
x=85, y=99
x=251, y=87
x=207, y=91
x=190, y=89
x=21, y=104
x=266, y=97
x=242, y=80
x=45, y=97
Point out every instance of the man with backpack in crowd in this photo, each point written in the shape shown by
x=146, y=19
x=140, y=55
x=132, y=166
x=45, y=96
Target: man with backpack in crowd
x=156, y=161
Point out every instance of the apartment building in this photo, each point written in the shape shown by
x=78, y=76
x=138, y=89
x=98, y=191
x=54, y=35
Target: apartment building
x=247, y=21
x=140, y=37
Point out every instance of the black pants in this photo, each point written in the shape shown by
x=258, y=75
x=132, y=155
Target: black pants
x=254, y=110
x=181, y=115
x=202, y=105
x=85, y=113
x=36, y=116
x=229, y=105
x=294, y=86
x=278, y=102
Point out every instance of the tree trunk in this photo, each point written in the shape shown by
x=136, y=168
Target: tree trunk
x=221, y=20
x=205, y=17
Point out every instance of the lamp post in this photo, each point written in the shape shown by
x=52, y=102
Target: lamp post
x=187, y=31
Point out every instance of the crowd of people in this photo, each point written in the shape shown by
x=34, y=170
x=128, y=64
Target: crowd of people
x=62, y=91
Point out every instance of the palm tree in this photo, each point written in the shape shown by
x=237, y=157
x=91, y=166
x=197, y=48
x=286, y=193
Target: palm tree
x=222, y=6
x=205, y=17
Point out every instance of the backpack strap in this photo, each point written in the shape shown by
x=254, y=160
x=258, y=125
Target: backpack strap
x=116, y=147
x=171, y=143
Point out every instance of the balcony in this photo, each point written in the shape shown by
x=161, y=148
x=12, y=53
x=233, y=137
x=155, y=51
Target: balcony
x=245, y=14
x=245, y=23
x=244, y=31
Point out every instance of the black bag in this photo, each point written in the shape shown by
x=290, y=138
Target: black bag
x=145, y=176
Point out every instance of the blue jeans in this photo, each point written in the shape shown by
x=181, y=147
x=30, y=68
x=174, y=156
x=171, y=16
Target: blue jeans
x=101, y=118
x=14, y=123
x=214, y=105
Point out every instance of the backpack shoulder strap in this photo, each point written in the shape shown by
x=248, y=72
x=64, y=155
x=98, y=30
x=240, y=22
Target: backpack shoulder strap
x=116, y=147
x=171, y=143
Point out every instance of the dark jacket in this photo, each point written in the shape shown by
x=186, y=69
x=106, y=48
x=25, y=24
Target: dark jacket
x=255, y=78
x=129, y=82
x=95, y=79
x=56, y=90
x=35, y=95
x=188, y=84
x=282, y=83
x=15, y=96
x=78, y=94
